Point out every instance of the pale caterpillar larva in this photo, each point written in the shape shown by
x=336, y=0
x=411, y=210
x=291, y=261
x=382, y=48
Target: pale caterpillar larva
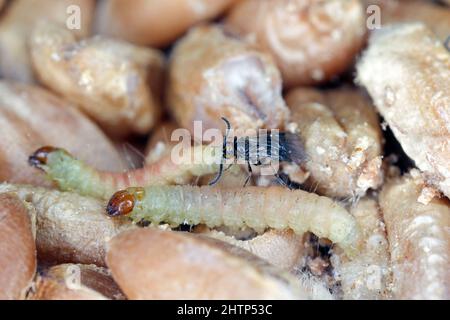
x=257, y=208
x=71, y=174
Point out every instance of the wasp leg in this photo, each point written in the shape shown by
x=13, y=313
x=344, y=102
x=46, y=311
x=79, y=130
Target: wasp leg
x=250, y=171
x=282, y=182
x=219, y=175
x=228, y=168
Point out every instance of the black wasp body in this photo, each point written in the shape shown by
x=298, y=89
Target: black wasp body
x=265, y=148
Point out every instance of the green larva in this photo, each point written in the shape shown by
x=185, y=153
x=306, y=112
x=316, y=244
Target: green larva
x=258, y=208
x=71, y=174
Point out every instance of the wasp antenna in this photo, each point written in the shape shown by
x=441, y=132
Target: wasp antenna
x=227, y=123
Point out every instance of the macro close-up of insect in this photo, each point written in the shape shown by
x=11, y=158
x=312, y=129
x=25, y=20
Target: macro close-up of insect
x=265, y=148
x=225, y=150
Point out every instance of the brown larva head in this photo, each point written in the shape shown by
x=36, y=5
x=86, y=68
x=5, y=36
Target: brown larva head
x=40, y=156
x=120, y=204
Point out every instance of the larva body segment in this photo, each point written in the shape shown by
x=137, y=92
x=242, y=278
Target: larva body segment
x=71, y=174
x=257, y=208
x=74, y=282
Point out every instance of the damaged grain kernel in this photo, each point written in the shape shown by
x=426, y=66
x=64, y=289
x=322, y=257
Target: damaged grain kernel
x=284, y=249
x=213, y=74
x=160, y=144
x=435, y=16
x=155, y=23
x=342, y=138
x=413, y=94
x=40, y=157
x=31, y=117
x=419, y=240
x=17, y=248
x=116, y=83
x=69, y=228
x=235, y=176
x=312, y=41
x=18, y=22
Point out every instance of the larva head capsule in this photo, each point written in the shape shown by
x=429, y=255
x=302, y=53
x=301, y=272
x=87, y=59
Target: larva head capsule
x=40, y=157
x=122, y=202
